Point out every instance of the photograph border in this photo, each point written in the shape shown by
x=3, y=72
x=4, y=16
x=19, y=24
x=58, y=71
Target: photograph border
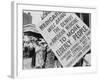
x=16, y=69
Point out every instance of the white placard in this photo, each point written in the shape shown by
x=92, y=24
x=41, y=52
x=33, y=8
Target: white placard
x=67, y=36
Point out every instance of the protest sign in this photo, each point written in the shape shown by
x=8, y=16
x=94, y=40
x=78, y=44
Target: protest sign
x=67, y=35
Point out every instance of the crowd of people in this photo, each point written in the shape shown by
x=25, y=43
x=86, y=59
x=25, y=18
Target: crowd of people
x=37, y=49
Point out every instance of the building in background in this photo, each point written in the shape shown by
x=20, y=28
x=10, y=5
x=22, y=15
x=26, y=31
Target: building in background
x=27, y=18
